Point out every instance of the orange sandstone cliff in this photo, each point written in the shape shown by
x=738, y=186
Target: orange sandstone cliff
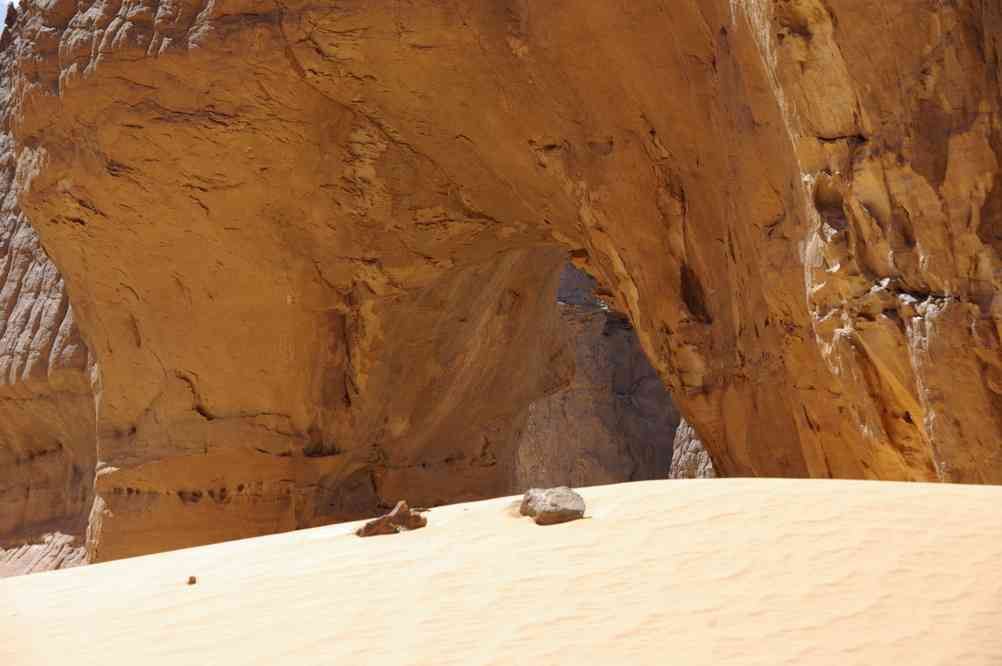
x=272, y=264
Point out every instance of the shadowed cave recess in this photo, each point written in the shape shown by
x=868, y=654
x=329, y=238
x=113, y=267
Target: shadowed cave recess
x=270, y=265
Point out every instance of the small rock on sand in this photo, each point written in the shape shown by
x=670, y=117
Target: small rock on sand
x=550, y=506
x=401, y=519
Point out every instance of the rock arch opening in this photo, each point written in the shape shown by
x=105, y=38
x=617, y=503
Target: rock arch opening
x=613, y=421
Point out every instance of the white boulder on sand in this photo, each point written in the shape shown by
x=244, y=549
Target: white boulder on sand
x=764, y=572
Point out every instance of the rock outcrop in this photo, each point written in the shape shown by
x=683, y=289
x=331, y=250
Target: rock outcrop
x=689, y=458
x=614, y=421
x=48, y=552
x=312, y=247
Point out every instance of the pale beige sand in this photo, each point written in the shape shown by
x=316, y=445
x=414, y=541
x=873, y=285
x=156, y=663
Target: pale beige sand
x=667, y=572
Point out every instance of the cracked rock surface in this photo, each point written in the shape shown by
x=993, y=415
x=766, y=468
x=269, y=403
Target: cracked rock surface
x=312, y=248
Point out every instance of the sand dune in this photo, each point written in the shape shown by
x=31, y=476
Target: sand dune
x=694, y=572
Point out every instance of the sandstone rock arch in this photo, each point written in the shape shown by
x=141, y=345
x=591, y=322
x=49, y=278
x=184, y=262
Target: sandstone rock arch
x=267, y=213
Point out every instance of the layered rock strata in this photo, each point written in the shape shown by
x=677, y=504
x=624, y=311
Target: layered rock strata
x=43, y=553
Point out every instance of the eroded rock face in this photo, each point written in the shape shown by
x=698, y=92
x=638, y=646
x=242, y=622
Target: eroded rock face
x=900, y=155
x=313, y=246
x=46, y=408
x=47, y=552
x=614, y=421
x=46, y=404
x=690, y=459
